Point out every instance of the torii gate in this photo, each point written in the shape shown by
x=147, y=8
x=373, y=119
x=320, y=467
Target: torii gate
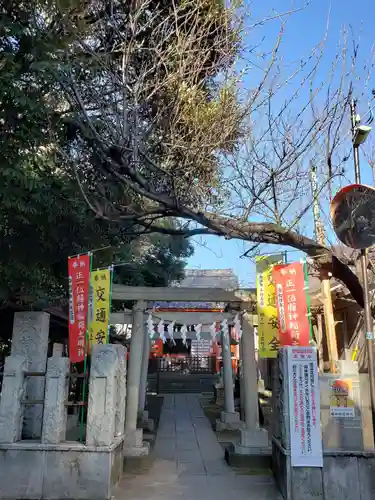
x=144, y=297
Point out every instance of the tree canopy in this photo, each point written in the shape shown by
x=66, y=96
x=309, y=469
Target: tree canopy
x=161, y=111
x=165, y=108
x=43, y=216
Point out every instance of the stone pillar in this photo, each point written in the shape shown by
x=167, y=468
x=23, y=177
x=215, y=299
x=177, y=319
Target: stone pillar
x=13, y=392
x=134, y=445
x=121, y=391
x=229, y=418
x=250, y=375
x=30, y=340
x=100, y=429
x=251, y=436
x=55, y=411
x=228, y=373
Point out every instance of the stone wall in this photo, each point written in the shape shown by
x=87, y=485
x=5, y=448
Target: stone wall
x=68, y=470
x=344, y=476
x=348, y=470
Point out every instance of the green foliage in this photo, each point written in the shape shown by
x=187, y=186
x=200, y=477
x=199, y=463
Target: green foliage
x=43, y=216
x=160, y=262
x=150, y=79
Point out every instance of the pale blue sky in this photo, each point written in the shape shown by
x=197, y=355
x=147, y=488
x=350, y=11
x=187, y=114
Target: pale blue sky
x=304, y=30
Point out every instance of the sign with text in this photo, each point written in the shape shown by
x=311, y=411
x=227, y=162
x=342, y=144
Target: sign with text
x=291, y=302
x=304, y=407
x=266, y=306
x=341, y=402
x=79, y=276
x=100, y=306
x=188, y=306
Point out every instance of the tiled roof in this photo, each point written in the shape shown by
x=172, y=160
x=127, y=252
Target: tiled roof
x=209, y=278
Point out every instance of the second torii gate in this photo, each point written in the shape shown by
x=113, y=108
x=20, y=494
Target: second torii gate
x=144, y=297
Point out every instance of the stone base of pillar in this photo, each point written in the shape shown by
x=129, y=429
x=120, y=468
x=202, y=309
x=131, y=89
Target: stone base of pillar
x=219, y=394
x=144, y=422
x=253, y=442
x=229, y=421
x=143, y=415
x=134, y=446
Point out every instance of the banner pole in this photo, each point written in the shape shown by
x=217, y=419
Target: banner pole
x=82, y=412
x=110, y=299
x=308, y=298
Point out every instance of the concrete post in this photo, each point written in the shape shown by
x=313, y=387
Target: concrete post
x=13, y=391
x=102, y=396
x=229, y=418
x=30, y=340
x=144, y=421
x=250, y=376
x=228, y=373
x=55, y=414
x=121, y=391
x=133, y=444
x=252, y=436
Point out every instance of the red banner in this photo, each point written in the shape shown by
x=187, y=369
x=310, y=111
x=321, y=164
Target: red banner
x=291, y=303
x=79, y=278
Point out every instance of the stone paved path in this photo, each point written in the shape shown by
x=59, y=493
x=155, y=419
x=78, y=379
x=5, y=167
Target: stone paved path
x=189, y=462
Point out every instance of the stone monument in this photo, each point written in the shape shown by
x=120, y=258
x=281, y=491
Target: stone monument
x=50, y=466
x=30, y=340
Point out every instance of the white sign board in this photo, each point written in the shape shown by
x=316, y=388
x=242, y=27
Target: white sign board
x=341, y=400
x=200, y=347
x=304, y=407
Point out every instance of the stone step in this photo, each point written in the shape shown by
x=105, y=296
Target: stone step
x=260, y=460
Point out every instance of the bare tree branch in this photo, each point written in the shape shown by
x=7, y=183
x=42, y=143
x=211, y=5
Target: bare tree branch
x=159, y=93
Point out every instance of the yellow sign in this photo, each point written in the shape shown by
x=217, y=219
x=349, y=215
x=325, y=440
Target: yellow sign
x=99, y=306
x=268, y=332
